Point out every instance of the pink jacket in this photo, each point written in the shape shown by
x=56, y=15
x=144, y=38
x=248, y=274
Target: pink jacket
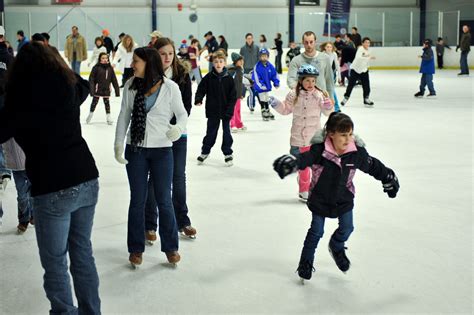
x=306, y=114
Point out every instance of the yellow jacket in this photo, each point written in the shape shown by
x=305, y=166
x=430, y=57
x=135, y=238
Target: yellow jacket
x=81, y=48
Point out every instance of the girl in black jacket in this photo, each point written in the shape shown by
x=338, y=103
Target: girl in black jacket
x=334, y=157
x=102, y=75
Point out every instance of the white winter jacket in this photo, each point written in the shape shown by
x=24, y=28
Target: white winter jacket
x=124, y=57
x=167, y=104
x=94, y=59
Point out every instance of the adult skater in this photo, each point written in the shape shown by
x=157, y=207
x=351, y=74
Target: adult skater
x=211, y=45
x=124, y=56
x=175, y=70
x=279, y=49
x=334, y=157
x=149, y=102
x=355, y=37
x=75, y=49
x=465, y=45
x=108, y=43
x=360, y=71
x=320, y=61
x=250, y=54
x=64, y=181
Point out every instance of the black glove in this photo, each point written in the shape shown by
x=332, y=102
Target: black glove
x=391, y=184
x=285, y=165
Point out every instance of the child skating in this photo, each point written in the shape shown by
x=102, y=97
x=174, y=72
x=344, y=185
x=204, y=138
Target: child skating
x=237, y=72
x=306, y=102
x=427, y=69
x=264, y=73
x=101, y=77
x=334, y=157
x=219, y=89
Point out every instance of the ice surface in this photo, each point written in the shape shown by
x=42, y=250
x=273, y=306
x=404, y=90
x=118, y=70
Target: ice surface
x=412, y=254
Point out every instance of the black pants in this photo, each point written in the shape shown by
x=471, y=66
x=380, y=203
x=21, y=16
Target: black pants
x=211, y=136
x=440, y=62
x=127, y=74
x=278, y=62
x=95, y=101
x=364, y=78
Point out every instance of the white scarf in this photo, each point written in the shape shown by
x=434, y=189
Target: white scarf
x=169, y=73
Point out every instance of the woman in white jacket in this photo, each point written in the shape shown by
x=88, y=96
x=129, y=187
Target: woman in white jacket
x=149, y=102
x=123, y=58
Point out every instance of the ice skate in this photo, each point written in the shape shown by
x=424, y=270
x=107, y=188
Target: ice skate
x=340, y=258
x=431, y=95
x=109, y=119
x=201, y=158
x=228, y=159
x=173, y=258
x=150, y=237
x=303, y=196
x=368, y=102
x=234, y=129
x=243, y=128
x=305, y=270
x=22, y=227
x=89, y=117
x=135, y=260
x=344, y=101
x=265, y=115
x=189, y=232
x=419, y=94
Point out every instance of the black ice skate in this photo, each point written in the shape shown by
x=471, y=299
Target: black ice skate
x=431, y=95
x=229, y=160
x=265, y=114
x=342, y=262
x=201, y=158
x=368, y=102
x=344, y=101
x=270, y=115
x=305, y=270
x=419, y=94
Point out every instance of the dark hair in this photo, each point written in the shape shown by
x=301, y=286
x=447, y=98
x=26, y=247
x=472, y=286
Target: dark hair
x=38, y=37
x=153, y=68
x=194, y=40
x=440, y=38
x=21, y=33
x=308, y=33
x=365, y=38
x=34, y=58
x=278, y=36
x=222, y=38
x=121, y=34
x=338, y=122
x=248, y=34
x=263, y=38
x=75, y=27
x=99, y=39
x=103, y=54
x=355, y=28
x=180, y=71
x=338, y=36
x=46, y=36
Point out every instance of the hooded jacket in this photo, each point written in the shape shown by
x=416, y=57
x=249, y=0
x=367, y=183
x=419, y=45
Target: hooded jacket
x=263, y=75
x=427, y=61
x=238, y=74
x=219, y=89
x=102, y=75
x=332, y=190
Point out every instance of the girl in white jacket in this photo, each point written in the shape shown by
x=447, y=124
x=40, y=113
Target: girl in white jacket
x=149, y=102
x=124, y=56
x=99, y=48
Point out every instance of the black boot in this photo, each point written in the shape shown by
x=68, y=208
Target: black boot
x=342, y=262
x=419, y=94
x=305, y=269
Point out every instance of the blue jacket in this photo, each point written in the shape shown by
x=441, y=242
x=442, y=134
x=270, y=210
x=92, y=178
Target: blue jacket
x=263, y=76
x=22, y=43
x=427, y=61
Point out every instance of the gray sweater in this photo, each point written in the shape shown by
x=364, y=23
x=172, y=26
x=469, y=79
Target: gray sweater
x=250, y=54
x=322, y=62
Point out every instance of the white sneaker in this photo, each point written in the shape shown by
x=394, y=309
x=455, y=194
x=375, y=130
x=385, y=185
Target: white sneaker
x=109, y=119
x=89, y=117
x=234, y=129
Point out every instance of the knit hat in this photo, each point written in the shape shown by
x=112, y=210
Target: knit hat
x=105, y=32
x=236, y=57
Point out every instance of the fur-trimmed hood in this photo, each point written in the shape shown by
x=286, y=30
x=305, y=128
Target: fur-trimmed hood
x=320, y=137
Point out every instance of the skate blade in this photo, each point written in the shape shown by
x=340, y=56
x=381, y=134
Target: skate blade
x=191, y=237
x=149, y=243
x=133, y=266
x=302, y=281
x=200, y=163
x=229, y=164
x=20, y=232
x=369, y=106
x=303, y=200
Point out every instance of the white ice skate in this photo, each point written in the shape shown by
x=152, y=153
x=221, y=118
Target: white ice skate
x=303, y=196
x=109, y=119
x=228, y=159
x=89, y=117
x=368, y=103
x=201, y=158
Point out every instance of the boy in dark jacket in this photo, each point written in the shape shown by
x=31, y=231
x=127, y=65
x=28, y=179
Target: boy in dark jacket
x=427, y=69
x=334, y=157
x=102, y=75
x=219, y=88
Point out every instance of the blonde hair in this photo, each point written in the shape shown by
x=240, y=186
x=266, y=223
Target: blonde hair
x=322, y=47
x=128, y=48
x=219, y=55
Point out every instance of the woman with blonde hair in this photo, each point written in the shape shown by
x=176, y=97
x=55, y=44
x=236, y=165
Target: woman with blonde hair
x=124, y=57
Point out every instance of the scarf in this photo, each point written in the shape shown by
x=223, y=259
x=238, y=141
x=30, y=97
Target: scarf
x=138, y=125
x=169, y=73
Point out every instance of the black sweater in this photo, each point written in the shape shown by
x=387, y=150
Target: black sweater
x=45, y=123
x=219, y=90
x=185, y=87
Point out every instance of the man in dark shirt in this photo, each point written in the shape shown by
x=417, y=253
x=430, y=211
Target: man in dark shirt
x=211, y=45
x=356, y=38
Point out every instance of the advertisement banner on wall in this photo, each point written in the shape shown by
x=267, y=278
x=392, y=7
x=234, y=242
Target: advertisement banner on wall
x=339, y=11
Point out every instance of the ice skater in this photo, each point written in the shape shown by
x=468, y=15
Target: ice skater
x=306, y=102
x=237, y=72
x=102, y=75
x=334, y=157
x=264, y=73
x=427, y=69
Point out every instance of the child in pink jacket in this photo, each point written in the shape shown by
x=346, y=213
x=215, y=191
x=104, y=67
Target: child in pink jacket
x=306, y=103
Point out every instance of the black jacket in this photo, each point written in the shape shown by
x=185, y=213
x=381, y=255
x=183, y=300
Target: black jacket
x=186, y=95
x=100, y=79
x=5, y=60
x=45, y=123
x=238, y=74
x=278, y=46
x=356, y=39
x=109, y=44
x=224, y=45
x=219, y=89
x=332, y=190
x=465, y=42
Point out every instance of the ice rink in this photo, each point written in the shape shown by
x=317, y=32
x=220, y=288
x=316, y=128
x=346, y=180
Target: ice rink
x=412, y=254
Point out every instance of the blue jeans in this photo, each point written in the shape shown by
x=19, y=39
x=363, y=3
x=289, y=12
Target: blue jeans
x=316, y=231
x=158, y=162
x=178, y=192
x=3, y=169
x=63, y=223
x=463, y=62
x=211, y=136
x=427, y=79
x=76, y=66
x=25, y=203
